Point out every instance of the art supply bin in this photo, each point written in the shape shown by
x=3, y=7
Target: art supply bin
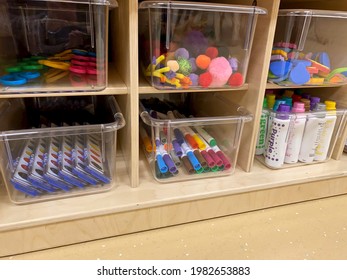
x=185, y=138
x=195, y=45
x=58, y=147
x=294, y=139
x=54, y=46
x=309, y=48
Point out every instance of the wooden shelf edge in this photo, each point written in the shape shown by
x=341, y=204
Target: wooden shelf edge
x=150, y=194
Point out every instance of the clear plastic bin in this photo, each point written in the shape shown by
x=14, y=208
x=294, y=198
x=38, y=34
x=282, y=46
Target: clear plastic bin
x=308, y=48
x=289, y=139
x=60, y=147
x=54, y=46
x=185, y=138
x=195, y=45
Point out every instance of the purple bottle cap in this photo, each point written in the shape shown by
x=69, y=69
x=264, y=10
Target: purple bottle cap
x=313, y=100
x=283, y=111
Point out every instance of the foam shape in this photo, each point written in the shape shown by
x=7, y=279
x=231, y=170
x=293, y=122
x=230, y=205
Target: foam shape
x=292, y=55
x=324, y=59
x=220, y=70
x=315, y=81
x=280, y=68
x=236, y=80
x=320, y=66
x=299, y=75
x=281, y=52
x=312, y=70
x=277, y=57
x=306, y=63
x=337, y=78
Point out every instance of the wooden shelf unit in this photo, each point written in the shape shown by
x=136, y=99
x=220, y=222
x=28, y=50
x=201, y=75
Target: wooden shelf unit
x=138, y=202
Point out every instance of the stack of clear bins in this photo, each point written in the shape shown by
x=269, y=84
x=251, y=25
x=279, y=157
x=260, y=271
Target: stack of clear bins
x=193, y=45
x=185, y=138
x=54, y=46
x=58, y=147
x=308, y=48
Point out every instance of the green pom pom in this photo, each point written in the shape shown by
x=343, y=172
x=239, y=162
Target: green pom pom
x=185, y=66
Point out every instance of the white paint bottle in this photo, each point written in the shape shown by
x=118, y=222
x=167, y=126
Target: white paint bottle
x=313, y=129
x=278, y=135
x=327, y=132
x=296, y=133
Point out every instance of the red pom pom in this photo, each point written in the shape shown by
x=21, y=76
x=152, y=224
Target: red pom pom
x=236, y=80
x=205, y=79
x=212, y=52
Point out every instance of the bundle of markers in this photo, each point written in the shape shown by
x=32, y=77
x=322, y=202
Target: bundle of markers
x=58, y=164
x=176, y=145
x=296, y=128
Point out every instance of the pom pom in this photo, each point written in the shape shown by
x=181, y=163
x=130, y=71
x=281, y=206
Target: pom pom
x=234, y=63
x=185, y=67
x=235, y=80
x=202, y=61
x=173, y=64
x=195, y=42
x=220, y=70
x=205, y=79
x=193, y=64
x=194, y=78
x=212, y=52
x=181, y=53
x=223, y=51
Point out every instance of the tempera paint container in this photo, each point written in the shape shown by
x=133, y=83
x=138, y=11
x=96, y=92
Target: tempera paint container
x=327, y=132
x=295, y=134
x=260, y=147
x=277, y=139
x=313, y=129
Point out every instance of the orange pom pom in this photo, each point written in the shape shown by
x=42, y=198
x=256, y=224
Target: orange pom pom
x=202, y=61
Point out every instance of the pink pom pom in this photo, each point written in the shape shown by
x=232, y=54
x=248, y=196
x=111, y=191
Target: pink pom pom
x=220, y=71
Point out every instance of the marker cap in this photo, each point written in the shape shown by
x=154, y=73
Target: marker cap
x=298, y=107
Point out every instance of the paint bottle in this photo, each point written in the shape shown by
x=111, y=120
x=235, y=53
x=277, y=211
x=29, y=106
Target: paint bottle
x=327, y=132
x=270, y=97
x=260, y=147
x=278, y=135
x=313, y=129
x=307, y=104
x=296, y=133
x=313, y=101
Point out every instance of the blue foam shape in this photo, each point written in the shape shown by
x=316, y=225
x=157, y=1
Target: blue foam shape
x=280, y=68
x=299, y=75
x=324, y=59
x=306, y=63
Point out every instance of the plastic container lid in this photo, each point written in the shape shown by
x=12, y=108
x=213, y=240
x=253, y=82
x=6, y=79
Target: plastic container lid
x=312, y=13
x=209, y=7
x=111, y=3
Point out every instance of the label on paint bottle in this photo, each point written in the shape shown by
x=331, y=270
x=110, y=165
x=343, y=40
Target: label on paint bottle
x=277, y=138
x=326, y=135
x=313, y=129
x=294, y=140
x=261, y=140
